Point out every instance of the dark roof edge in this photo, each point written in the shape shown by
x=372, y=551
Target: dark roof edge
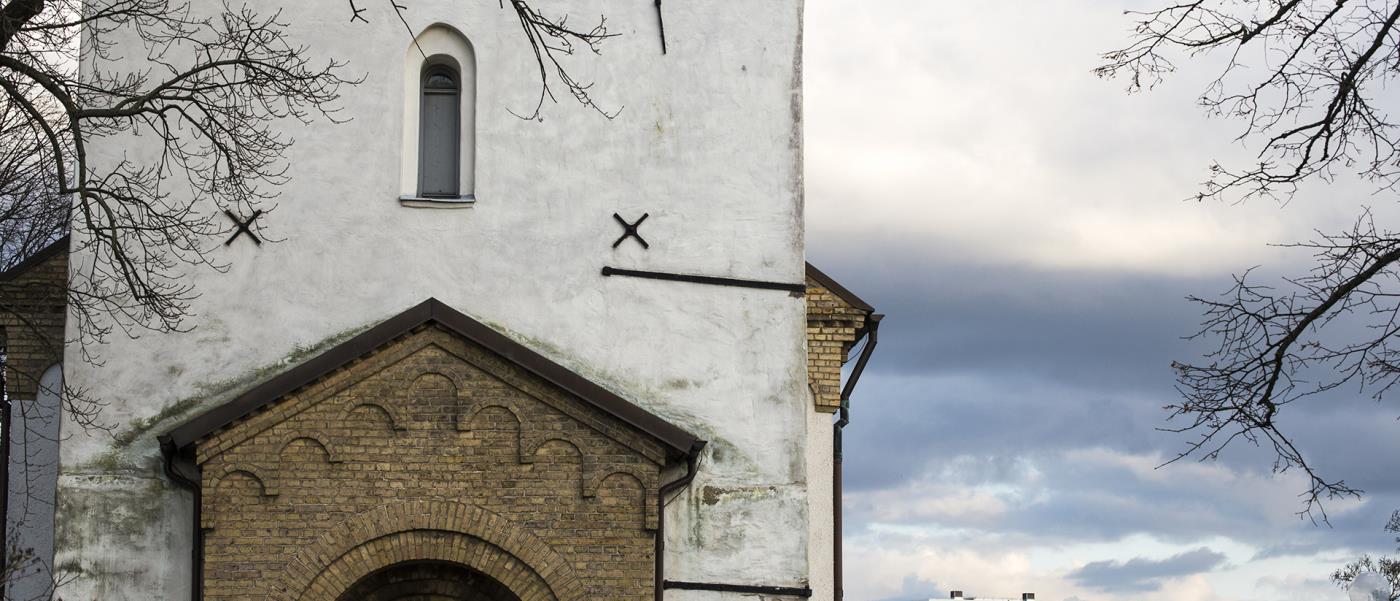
x=44, y=254
x=429, y=311
x=836, y=288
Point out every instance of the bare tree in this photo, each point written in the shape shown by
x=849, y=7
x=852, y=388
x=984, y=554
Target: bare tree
x=32, y=214
x=213, y=92
x=1387, y=567
x=219, y=81
x=1306, y=80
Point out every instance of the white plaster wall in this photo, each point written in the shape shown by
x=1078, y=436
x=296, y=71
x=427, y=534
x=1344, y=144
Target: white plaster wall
x=821, y=526
x=122, y=535
x=708, y=143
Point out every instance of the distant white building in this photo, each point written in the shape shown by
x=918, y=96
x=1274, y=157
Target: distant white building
x=959, y=595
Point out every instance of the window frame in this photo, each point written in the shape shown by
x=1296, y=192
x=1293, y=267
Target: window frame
x=430, y=69
x=439, y=44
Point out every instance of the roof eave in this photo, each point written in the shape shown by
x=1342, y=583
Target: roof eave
x=54, y=248
x=679, y=442
x=840, y=291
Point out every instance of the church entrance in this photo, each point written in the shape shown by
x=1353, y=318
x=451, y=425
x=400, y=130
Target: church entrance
x=427, y=581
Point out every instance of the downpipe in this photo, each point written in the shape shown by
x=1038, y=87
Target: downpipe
x=692, y=458
x=172, y=455
x=873, y=331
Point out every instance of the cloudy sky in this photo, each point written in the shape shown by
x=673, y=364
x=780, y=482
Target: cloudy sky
x=1022, y=224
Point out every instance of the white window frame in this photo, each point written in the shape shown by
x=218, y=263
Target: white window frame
x=438, y=44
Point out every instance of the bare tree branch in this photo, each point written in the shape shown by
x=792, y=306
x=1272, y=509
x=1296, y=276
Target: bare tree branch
x=1312, y=108
x=1306, y=79
x=1273, y=349
x=217, y=83
x=552, y=41
x=1387, y=567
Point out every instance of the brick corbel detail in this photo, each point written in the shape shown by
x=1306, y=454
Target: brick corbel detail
x=833, y=326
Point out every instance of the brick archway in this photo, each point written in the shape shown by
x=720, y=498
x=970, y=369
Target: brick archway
x=441, y=531
x=427, y=581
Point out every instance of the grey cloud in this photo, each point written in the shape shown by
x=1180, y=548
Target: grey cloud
x=991, y=364
x=915, y=588
x=1105, y=329
x=992, y=370
x=902, y=428
x=1291, y=549
x=1061, y=499
x=1142, y=574
x=1348, y=435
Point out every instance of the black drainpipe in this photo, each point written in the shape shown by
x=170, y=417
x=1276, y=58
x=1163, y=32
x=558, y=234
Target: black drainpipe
x=691, y=459
x=171, y=455
x=872, y=326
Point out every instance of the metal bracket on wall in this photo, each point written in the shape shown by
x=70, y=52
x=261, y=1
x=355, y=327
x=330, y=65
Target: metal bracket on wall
x=660, y=19
x=630, y=230
x=751, y=589
x=796, y=289
x=243, y=227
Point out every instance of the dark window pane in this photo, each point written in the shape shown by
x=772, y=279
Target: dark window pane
x=438, y=152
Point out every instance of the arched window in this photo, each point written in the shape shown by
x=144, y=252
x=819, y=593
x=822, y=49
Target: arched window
x=440, y=132
x=438, y=161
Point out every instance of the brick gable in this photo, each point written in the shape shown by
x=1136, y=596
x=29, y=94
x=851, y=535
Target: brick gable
x=290, y=493
x=835, y=320
x=33, y=309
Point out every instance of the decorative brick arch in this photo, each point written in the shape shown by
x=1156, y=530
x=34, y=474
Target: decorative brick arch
x=464, y=421
x=431, y=530
x=332, y=451
x=389, y=410
x=258, y=473
x=405, y=548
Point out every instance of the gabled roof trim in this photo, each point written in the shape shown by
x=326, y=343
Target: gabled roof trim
x=429, y=311
x=57, y=246
x=837, y=289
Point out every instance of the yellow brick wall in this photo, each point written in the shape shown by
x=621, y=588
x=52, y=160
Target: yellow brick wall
x=832, y=326
x=430, y=449
x=32, y=312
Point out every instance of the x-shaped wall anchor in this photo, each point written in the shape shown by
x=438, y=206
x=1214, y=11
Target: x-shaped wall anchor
x=631, y=230
x=243, y=227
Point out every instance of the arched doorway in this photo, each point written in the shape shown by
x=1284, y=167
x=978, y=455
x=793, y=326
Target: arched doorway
x=427, y=581
x=428, y=532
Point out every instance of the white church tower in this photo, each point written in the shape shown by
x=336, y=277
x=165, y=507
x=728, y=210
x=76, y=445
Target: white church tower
x=474, y=356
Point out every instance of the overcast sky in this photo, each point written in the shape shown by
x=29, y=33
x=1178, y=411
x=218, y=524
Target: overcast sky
x=1022, y=224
